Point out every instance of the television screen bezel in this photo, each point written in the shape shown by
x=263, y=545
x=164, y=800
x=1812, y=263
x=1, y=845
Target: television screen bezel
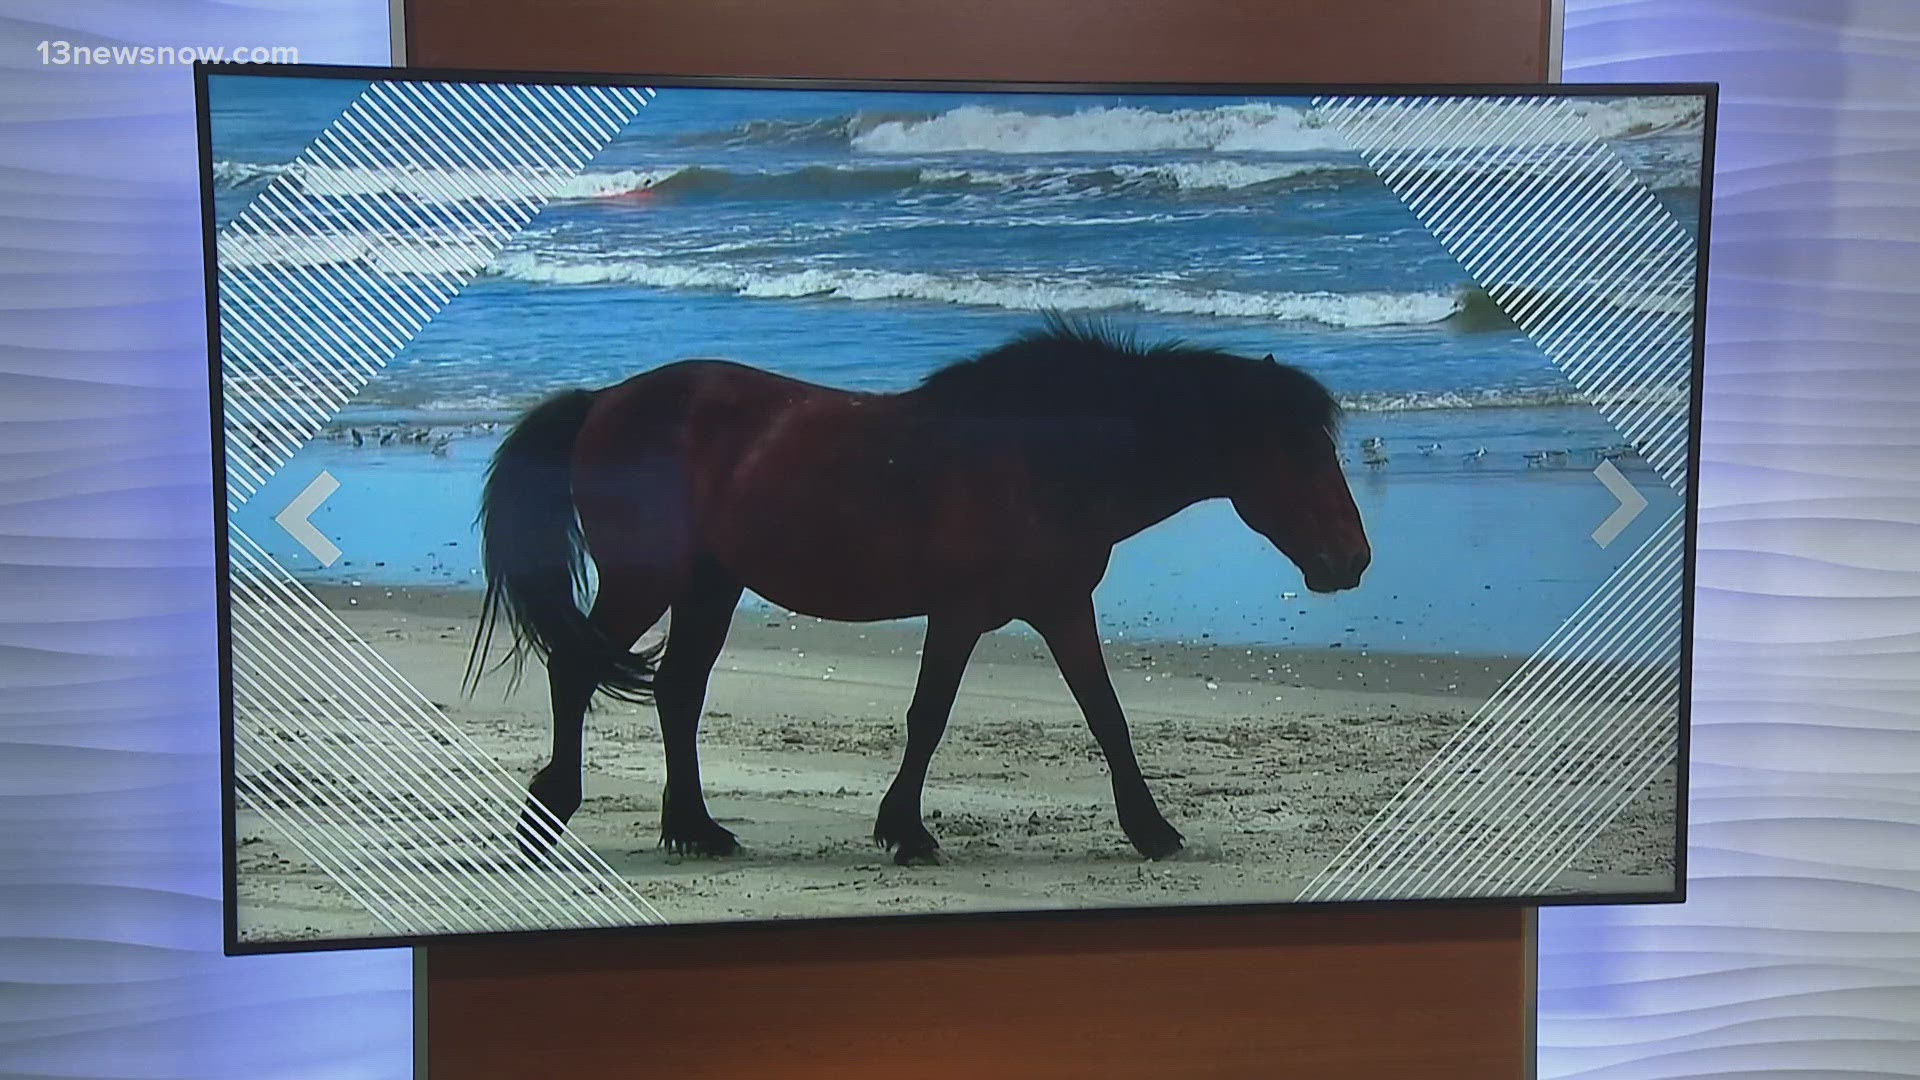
x=233, y=945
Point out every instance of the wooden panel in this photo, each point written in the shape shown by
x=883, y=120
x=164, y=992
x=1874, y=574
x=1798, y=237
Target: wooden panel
x=1039, y=40
x=1325, y=994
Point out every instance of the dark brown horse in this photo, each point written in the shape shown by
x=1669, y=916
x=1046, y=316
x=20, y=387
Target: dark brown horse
x=993, y=491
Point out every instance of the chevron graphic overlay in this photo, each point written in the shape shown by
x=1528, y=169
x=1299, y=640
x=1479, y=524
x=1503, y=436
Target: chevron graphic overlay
x=1558, y=751
x=1590, y=265
x=328, y=272
x=323, y=278
x=1559, y=232
x=367, y=778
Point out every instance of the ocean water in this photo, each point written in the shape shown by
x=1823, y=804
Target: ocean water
x=864, y=240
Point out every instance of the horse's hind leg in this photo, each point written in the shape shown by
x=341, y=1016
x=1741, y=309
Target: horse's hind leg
x=943, y=660
x=626, y=607
x=701, y=617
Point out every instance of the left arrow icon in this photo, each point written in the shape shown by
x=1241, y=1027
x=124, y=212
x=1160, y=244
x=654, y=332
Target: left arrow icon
x=294, y=518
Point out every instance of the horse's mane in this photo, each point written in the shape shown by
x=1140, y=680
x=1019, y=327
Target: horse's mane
x=1084, y=369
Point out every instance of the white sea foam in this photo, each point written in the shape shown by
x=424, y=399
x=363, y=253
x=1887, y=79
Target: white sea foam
x=1667, y=163
x=1511, y=398
x=433, y=185
x=395, y=253
x=1631, y=117
x=1230, y=175
x=1366, y=309
x=235, y=173
x=1256, y=127
x=1247, y=127
x=449, y=186
x=1443, y=400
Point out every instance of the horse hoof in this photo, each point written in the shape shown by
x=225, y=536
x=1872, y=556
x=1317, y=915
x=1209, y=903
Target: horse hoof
x=919, y=856
x=717, y=843
x=1160, y=845
x=911, y=845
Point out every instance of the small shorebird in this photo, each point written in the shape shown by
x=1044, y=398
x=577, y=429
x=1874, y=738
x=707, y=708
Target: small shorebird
x=1373, y=453
x=1474, y=455
x=1429, y=449
x=1535, y=457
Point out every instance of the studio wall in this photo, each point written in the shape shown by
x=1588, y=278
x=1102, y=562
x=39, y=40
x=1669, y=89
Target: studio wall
x=110, y=960
x=1798, y=951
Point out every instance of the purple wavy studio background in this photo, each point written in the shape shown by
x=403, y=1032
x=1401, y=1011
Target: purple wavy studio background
x=1798, y=953
x=110, y=960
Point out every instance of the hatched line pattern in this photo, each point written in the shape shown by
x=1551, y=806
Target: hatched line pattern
x=1589, y=264
x=331, y=746
x=1562, y=236
x=1585, y=724
x=299, y=337
x=368, y=779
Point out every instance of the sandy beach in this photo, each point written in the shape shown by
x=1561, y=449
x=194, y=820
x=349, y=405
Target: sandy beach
x=1267, y=759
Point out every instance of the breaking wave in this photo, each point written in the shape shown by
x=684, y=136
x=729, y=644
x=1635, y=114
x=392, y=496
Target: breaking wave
x=1201, y=178
x=808, y=182
x=1259, y=127
x=1367, y=309
x=1438, y=400
x=437, y=185
x=1256, y=127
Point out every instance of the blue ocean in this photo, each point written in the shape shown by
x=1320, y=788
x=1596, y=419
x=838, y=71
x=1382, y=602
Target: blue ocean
x=865, y=239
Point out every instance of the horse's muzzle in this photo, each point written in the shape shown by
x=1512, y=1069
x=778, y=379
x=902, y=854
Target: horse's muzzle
x=1332, y=573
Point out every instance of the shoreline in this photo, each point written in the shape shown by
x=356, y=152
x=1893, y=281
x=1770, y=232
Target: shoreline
x=1334, y=666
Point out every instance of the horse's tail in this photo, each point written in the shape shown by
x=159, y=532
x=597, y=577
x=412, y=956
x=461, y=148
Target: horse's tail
x=535, y=558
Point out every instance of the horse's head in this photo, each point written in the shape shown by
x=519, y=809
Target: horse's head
x=1291, y=490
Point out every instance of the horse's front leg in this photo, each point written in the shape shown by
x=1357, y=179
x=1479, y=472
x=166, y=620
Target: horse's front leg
x=943, y=659
x=1074, y=638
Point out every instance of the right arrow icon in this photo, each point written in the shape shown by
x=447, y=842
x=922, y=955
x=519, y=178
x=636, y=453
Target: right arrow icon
x=1631, y=503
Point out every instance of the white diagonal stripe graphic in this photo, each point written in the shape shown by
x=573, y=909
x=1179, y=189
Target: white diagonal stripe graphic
x=1482, y=815
x=393, y=801
x=1502, y=720
x=376, y=807
x=391, y=210
x=1533, y=801
x=373, y=761
x=298, y=340
x=1580, y=254
x=1507, y=756
x=1589, y=264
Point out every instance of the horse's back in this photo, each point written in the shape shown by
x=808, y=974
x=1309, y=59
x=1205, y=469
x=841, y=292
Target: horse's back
x=683, y=384
x=838, y=504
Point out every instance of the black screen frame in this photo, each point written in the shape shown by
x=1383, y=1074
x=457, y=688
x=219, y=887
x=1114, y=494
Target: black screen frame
x=234, y=946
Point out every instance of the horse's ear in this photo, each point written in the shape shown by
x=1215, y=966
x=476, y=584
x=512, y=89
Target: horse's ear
x=1270, y=359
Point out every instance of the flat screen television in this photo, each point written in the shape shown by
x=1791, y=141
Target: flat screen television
x=656, y=502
